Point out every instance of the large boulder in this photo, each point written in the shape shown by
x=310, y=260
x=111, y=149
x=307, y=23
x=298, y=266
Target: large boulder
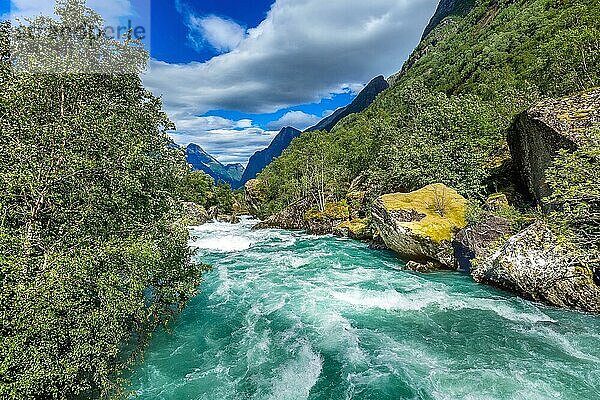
x=420, y=226
x=535, y=265
x=255, y=195
x=194, y=214
x=540, y=132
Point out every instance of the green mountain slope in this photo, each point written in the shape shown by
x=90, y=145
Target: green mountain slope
x=444, y=118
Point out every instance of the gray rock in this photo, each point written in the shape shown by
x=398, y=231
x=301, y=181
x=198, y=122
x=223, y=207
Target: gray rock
x=540, y=132
x=194, y=214
x=534, y=265
x=472, y=241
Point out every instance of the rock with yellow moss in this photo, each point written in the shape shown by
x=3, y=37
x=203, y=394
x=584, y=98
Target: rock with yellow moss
x=535, y=265
x=355, y=229
x=420, y=226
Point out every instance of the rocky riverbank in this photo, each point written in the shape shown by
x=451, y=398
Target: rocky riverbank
x=429, y=227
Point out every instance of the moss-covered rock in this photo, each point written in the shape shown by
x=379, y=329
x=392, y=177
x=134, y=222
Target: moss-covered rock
x=255, y=195
x=194, y=214
x=355, y=229
x=335, y=211
x=420, y=225
x=536, y=265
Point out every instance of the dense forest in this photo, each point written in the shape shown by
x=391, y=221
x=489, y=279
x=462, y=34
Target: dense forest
x=446, y=115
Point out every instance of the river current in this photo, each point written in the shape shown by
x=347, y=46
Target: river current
x=286, y=315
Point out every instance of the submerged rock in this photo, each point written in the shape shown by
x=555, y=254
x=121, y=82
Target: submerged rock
x=540, y=132
x=535, y=265
x=420, y=226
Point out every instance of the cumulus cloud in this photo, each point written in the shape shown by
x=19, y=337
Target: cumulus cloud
x=297, y=119
x=222, y=34
x=230, y=141
x=303, y=51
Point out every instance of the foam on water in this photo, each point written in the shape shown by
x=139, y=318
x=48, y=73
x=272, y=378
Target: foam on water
x=285, y=315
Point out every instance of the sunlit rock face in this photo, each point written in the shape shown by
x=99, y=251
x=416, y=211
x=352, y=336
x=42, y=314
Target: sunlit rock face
x=420, y=225
x=537, y=266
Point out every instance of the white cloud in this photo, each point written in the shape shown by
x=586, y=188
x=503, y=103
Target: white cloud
x=303, y=51
x=230, y=141
x=297, y=119
x=222, y=34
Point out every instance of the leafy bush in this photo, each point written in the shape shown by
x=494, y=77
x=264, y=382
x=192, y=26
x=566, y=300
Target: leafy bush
x=575, y=182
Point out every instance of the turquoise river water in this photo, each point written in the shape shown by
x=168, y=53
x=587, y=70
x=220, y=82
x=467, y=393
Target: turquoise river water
x=285, y=315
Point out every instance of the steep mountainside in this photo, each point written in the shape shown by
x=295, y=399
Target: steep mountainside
x=235, y=171
x=364, y=99
x=445, y=117
x=445, y=9
x=202, y=161
x=262, y=158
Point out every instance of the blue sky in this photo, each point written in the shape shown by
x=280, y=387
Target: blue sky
x=231, y=73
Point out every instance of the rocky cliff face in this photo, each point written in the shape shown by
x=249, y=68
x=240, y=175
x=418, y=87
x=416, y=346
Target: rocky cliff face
x=540, y=132
x=364, y=99
x=534, y=265
x=261, y=159
x=420, y=226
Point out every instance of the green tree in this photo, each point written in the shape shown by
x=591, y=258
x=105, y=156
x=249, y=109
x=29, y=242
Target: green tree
x=91, y=259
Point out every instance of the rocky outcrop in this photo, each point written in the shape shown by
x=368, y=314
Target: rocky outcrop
x=364, y=99
x=292, y=217
x=255, y=194
x=535, y=265
x=420, y=226
x=194, y=214
x=540, y=132
x=335, y=218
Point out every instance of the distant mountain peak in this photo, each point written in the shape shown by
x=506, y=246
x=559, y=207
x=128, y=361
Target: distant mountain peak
x=262, y=158
x=202, y=161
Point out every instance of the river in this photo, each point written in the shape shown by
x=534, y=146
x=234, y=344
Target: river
x=286, y=315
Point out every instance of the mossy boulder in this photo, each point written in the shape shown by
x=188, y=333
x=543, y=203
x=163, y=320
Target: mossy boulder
x=420, y=225
x=194, y=214
x=536, y=265
x=255, y=195
x=355, y=229
x=333, y=211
